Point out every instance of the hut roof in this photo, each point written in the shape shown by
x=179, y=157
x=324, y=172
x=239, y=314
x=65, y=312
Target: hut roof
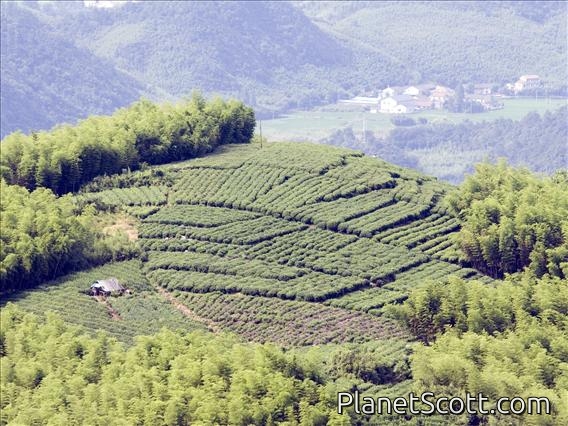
x=110, y=284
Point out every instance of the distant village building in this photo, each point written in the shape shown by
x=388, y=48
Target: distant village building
x=440, y=95
x=411, y=91
x=526, y=82
x=397, y=104
x=107, y=287
x=389, y=92
x=419, y=90
x=405, y=99
x=482, y=89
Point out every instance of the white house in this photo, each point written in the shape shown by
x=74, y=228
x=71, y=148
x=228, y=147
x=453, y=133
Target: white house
x=411, y=91
x=527, y=82
x=398, y=104
x=392, y=91
x=387, y=93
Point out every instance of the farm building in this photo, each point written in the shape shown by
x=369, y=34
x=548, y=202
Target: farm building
x=107, y=287
x=527, y=82
x=398, y=104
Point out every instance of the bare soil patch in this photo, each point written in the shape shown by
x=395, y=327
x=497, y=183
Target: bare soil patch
x=122, y=224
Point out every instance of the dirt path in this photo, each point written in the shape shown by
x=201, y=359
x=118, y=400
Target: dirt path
x=111, y=311
x=211, y=325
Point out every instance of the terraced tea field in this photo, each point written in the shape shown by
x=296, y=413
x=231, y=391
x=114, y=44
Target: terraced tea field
x=297, y=244
x=141, y=313
x=262, y=241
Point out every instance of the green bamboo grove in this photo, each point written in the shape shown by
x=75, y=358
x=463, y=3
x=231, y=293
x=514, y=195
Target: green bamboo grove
x=66, y=157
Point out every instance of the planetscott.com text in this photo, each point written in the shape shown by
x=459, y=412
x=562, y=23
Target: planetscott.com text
x=427, y=403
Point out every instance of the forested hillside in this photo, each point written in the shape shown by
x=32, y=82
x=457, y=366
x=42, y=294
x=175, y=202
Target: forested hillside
x=449, y=150
x=62, y=61
x=48, y=79
x=144, y=133
x=457, y=42
x=267, y=54
x=252, y=384
x=363, y=274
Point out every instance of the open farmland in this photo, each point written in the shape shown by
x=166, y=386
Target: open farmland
x=318, y=124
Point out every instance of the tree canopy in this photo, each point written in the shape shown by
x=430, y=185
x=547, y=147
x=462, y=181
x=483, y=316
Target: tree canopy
x=507, y=340
x=53, y=372
x=68, y=156
x=44, y=236
x=513, y=219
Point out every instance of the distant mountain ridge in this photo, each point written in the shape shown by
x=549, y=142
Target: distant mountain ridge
x=46, y=79
x=62, y=61
x=453, y=42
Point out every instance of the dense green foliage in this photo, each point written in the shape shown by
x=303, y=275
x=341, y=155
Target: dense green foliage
x=180, y=378
x=513, y=220
x=510, y=339
x=449, y=150
x=54, y=373
x=44, y=236
x=66, y=157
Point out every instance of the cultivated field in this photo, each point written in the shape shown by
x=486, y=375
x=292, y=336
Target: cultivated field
x=297, y=244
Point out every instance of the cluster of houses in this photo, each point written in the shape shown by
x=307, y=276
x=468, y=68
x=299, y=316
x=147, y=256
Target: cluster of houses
x=525, y=82
x=408, y=99
x=404, y=100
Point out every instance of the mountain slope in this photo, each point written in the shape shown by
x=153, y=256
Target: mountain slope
x=61, y=61
x=297, y=244
x=268, y=53
x=450, y=42
x=46, y=79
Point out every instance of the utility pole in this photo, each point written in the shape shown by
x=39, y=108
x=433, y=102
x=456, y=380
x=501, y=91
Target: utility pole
x=364, y=129
x=260, y=128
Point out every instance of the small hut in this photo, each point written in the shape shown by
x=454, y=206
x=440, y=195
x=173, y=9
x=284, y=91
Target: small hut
x=107, y=287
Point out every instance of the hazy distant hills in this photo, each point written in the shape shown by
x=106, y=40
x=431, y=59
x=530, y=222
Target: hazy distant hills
x=452, y=42
x=62, y=61
x=46, y=79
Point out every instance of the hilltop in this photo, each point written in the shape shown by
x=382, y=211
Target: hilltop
x=306, y=231
x=289, y=265
x=456, y=42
